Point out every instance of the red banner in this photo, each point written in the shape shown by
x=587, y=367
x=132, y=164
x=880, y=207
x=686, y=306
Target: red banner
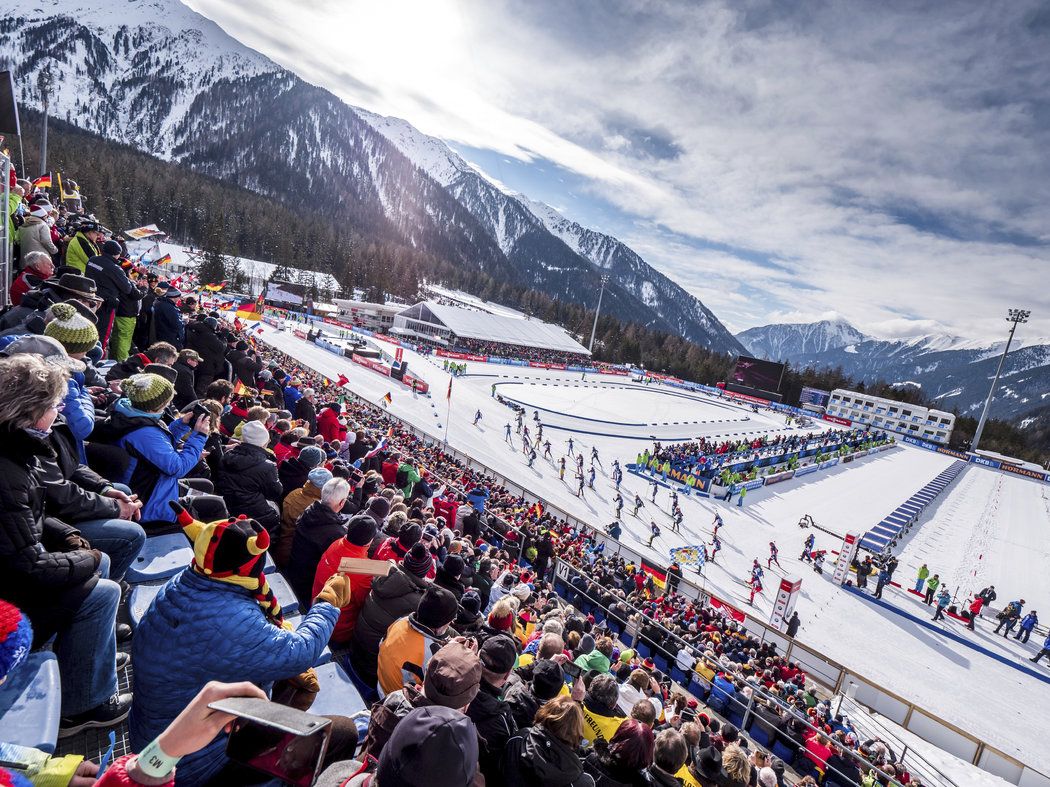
x=461, y=356
x=836, y=420
x=337, y=323
x=746, y=397
x=540, y=365
x=617, y=372
x=727, y=610
x=415, y=383
x=368, y=363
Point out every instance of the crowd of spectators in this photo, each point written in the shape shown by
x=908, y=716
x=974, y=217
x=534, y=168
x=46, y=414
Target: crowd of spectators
x=480, y=670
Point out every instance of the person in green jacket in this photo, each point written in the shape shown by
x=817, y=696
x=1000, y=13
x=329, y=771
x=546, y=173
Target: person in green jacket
x=412, y=476
x=84, y=246
x=923, y=573
x=14, y=202
x=598, y=658
x=932, y=584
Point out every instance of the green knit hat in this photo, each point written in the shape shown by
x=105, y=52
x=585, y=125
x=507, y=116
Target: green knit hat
x=149, y=392
x=71, y=329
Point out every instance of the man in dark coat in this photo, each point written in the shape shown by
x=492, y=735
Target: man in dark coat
x=248, y=479
x=246, y=364
x=201, y=336
x=306, y=410
x=491, y=715
x=120, y=298
x=167, y=320
x=317, y=529
x=186, y=376
x=295, y=469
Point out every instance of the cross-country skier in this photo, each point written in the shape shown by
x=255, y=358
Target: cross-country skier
x=717, y=522
x=525, y=434
x=716, y=547
x=590, y=478
x=674, y=500
x=521, y=422
x=807, y=548
x=617, y=477
x=539, y=434
x=756, y=587
x=536, y=415
x=756, y=569
x=579, y=485
x=676, y=521
x=477, y=417
x=773, y=552
x=654, y=487
x=532, y=456
x=618, y=502
x=506, y=434
x=594, y=457
x=547, y=449
x=571, y=444
x=818, y=561
x=561, y=469
x=493, y=390
x=637, y=504
x=654, y=532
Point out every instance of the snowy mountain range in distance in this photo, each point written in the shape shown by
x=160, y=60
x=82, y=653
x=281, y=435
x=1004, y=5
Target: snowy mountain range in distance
x=157, y=75
x=954, y=372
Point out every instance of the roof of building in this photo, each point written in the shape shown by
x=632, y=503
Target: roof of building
x=472, y=324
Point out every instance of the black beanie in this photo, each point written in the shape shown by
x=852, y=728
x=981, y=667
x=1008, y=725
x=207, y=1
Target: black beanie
x=361, y=530
x=418, y=560
x=453, y=566
x=437, y=607
x=409, y=534
x=547, y=680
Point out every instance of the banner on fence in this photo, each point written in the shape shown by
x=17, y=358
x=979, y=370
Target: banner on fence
x=836, y=420
x=776, y=478
x=980, y=460
x=1025, y=472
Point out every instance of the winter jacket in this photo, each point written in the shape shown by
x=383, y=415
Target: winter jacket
x=405, y=652
x=72, y=489
x=495, y=725
x=535, y=758
x=248, y=483
x=199, y=629
x=245, y=366
x=817, y=752
x=407, y=473
x=932, y=584
x=391, y=597
x=79, y=411
x=329, y=427
x=317, y=529
x=305, y=411
x=943, y=599
x=35, y=235
x=297, y=501
x=167, y=323
x=185, y=384
x=386, y=715
x=1029, y=621
x=113, y=286
x=923, y=572
x=607, y=773
x=79, y=251
x=477, y=497
x=159, y=455
x=360, y=584
x=293, y=473
x=212, y=350
x=292, y=395
x=595, y=660
x=23, y=283
x=38, y=573
x=599, y=721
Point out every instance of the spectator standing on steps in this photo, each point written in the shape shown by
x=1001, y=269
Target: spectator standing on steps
x=944, y=598
x=1044, y=652
x=1028, y=622
x=931, y=588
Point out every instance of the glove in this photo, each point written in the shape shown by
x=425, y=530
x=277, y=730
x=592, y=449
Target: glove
x=336, y=591
x=306, y=681
x=74, y=541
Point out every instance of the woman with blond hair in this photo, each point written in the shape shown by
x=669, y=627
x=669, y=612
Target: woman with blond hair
x=544, y=755
x=46, y=568
x=737, y=767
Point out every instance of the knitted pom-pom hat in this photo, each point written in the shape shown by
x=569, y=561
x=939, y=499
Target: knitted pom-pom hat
x=16, y=638
x=149, y=392
x=71, y=329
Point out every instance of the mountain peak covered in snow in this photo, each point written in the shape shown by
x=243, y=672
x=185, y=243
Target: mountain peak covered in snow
x=784, y=341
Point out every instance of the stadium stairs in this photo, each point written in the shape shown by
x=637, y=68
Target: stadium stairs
x=885, y=535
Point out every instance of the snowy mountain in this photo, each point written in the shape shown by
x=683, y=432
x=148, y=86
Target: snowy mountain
x=952, y=371
x=156, y=75
x=786, y=341
x=521, y=226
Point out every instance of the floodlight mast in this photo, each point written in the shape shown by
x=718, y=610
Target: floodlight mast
x=594, y=328
x=1015, y=317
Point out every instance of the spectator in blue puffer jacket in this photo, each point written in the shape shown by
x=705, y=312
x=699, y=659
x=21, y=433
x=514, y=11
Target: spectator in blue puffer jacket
x=219, y=620
x=159, y=455
x=292, y=395
x=477, y=497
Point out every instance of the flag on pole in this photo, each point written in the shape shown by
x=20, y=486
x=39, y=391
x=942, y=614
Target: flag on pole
x=448, y=394
x=43, y=182
x=343, y=380
x=240, y=388
x=163, y=260
x=215, y=287
x=387, y=399
x=250, y=310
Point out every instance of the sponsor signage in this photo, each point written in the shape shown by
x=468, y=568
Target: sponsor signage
x=980, y=460
x=1025, y=472
x=828, y=463
x=776, y=478
x=805, y=470
x=784, y=603
x=846, y=555
x=755, y=484
x=836, y=420
x=952, y=452
x=461, y=356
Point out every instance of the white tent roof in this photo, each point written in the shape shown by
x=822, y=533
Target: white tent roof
x=471, y=324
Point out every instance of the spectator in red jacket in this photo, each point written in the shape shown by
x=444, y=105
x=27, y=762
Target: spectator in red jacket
x=359, y=534
x=38, y=268
x=328, y=423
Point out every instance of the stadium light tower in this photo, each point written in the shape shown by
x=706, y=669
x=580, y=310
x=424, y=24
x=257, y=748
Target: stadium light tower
x=594, y=328
x=1015, y=317
x=44, y=83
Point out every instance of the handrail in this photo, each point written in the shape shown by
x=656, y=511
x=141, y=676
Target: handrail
x=699, y=592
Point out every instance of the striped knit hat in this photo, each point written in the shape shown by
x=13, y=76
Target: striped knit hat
x=71, y=329
x=233, y=550
x=149, y=392
x=16, y=638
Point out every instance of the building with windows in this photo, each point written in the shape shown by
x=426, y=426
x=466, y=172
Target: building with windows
x=373, y=316
x=907, y=419
x=453, y=326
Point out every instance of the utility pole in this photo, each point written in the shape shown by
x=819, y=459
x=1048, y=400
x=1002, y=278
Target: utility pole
x=44, y=82
x=594, y=328
x=1016, y=317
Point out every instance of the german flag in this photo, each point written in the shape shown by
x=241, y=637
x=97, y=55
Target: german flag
x=251, y=310
x=215, y=287
x=43, y=182
x=240, y=388
x=658, y=574
x=163, y=260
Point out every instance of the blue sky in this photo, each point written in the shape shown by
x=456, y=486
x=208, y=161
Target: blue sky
x=886, y=163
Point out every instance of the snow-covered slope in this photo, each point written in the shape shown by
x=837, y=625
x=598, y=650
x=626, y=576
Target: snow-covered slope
x=785, y=341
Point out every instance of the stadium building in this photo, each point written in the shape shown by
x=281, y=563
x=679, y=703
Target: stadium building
x=908, y=419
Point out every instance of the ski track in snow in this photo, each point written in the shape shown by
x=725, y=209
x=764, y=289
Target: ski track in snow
x=935, y=673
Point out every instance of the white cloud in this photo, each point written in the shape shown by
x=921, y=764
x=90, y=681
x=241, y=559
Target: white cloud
x=888, y=161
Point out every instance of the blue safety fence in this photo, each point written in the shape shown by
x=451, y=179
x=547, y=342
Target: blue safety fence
x=907, y=513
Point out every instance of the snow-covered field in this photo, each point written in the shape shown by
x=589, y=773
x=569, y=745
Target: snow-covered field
x=981, y=695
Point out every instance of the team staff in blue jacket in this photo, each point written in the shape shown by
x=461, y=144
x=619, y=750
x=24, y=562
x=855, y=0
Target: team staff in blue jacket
x=159, y=455
x=219, y=620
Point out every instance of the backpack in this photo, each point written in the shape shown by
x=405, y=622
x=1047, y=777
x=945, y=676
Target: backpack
x=401, y=479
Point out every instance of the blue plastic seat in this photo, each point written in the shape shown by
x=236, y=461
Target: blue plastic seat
x=139, y=600
x=643, y=649
x=679, y=676
x=735, y=715
x=31, y=703
x=758, y=735
x=338, y=695
x=282, y=591
x=269, y=566
x=161, y=557
x=369, y=693
x=783, y=751
x=662, y=663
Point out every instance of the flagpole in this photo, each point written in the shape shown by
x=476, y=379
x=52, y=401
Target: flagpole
x=448, y=415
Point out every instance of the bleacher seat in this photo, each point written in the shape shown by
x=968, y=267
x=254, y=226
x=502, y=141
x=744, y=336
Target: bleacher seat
x=678, y=676
x=368, y=693
x=269, y=566
x=735, y=714
x=662, y=663
x=643, y=649
x=31, y=703
x=759, y=735
x=282, y=591
x=161, y=557
x=338, y=696
x=141, y=597
x=783, y=751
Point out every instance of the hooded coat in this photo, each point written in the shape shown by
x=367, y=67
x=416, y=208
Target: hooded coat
x=199, y=629
x=167, y=324
x=296, y=502
x=391, y=597
x=329, y=427
x=248, y=483
x=317, y=529
x=535, y=758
